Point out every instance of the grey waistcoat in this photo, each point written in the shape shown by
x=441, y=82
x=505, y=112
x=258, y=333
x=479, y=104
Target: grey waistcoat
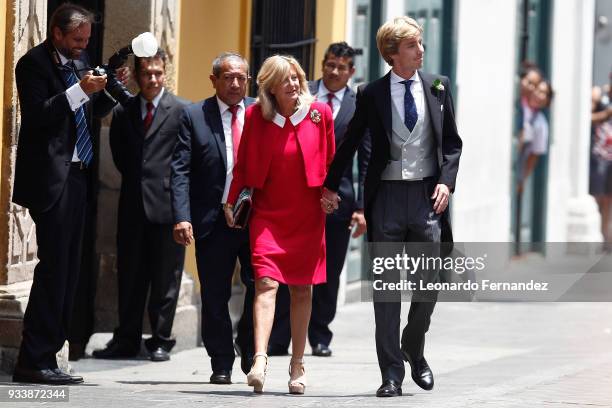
x=413, y=154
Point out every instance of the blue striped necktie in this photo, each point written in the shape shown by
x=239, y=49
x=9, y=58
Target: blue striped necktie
x=410, y=111
x=84, y=145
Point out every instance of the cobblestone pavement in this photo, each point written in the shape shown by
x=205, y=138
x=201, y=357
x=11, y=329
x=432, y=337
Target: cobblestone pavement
x=482, y=354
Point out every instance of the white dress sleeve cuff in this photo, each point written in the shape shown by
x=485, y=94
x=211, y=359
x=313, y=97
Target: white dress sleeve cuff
x=76, y=96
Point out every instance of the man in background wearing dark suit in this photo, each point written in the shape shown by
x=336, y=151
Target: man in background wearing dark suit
x=58, y=98
x=143, y=134
x=332, y=89
x=201, y=175
x=411, y=174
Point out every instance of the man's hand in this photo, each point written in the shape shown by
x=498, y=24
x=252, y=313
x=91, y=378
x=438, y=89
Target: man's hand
x=329, y=201
x=228, y=210
x=358, y=219
x=183, y=233
x=91, y=84
x=440, y=194
x=123, y=75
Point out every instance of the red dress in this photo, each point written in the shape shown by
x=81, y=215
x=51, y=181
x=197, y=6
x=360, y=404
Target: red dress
x=287, y=225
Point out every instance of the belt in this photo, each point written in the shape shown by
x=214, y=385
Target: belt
x=78, y=165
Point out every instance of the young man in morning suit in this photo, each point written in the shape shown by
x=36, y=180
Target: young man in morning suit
x=411, y=173
x=143, y=134
x=332, y=89
x=58, y=98
x=201, y=175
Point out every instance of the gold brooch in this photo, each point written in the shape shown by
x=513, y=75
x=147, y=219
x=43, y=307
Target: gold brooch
x=315, y=116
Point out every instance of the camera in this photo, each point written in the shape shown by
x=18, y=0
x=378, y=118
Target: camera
x=143, y=46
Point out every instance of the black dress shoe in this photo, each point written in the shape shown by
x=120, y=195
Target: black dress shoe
x=46, y=376
x=274, y=350
x=74, y=379
x=159, y=354
x=76, y=351
x=321, y=350
x=389, y=388
x=246, y=358
x=420, y=372
x=115, y=350
x=221, y=377
x=246, y=362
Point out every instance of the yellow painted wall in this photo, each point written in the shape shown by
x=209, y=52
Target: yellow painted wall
x=330, y=27
x=208, y=28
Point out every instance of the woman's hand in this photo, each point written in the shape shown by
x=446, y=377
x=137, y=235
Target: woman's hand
x=329, y=201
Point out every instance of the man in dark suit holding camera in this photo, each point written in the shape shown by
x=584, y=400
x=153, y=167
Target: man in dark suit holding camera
x=58, y=98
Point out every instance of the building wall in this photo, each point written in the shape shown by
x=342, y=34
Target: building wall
x=330, y=27
x=3, y=130
x=571, y=212
x=208, y=28
x=484, y=109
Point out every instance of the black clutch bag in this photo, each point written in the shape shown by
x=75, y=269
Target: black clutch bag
x=242, y=209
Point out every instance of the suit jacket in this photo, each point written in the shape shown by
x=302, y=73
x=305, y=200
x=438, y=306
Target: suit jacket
x=144, y=159
x=47, y=135
x=199, y=166
x=349, y=201
x=316, y=143
x=373, y=111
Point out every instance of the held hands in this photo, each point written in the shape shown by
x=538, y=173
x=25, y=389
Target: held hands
x=183, y=233
x=329, y=201
x=91, y=83
x=440, y=196
x=358, y=219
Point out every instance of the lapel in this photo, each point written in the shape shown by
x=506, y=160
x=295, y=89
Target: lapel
x=55, y=62
x=347, y=108
x=161, y=114
x=382, y=96
x=434, y=102
x=135, y=115
x=212, y=116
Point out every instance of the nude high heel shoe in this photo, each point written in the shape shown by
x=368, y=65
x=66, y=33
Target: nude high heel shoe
x=297, y=382
x=256, y=379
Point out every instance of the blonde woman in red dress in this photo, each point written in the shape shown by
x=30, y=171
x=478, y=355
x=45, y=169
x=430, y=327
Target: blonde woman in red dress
x=286, y=147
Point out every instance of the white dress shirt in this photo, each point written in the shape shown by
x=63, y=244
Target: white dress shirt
x=322, y=93
x=155, y=102
x=398, y=90
x=226, y=119
x=76, y=97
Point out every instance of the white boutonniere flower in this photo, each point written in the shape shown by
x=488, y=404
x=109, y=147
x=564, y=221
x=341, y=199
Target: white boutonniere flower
x=315, y=116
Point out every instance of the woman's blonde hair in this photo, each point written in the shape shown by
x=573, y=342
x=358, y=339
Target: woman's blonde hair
x=275, y=70
x=391, y=33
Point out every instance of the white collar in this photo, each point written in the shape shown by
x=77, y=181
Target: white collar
x=296, y=118
x=223, y=107
x=323, y=91
x=63, y=59
x=396, y=78
x=155, y=101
